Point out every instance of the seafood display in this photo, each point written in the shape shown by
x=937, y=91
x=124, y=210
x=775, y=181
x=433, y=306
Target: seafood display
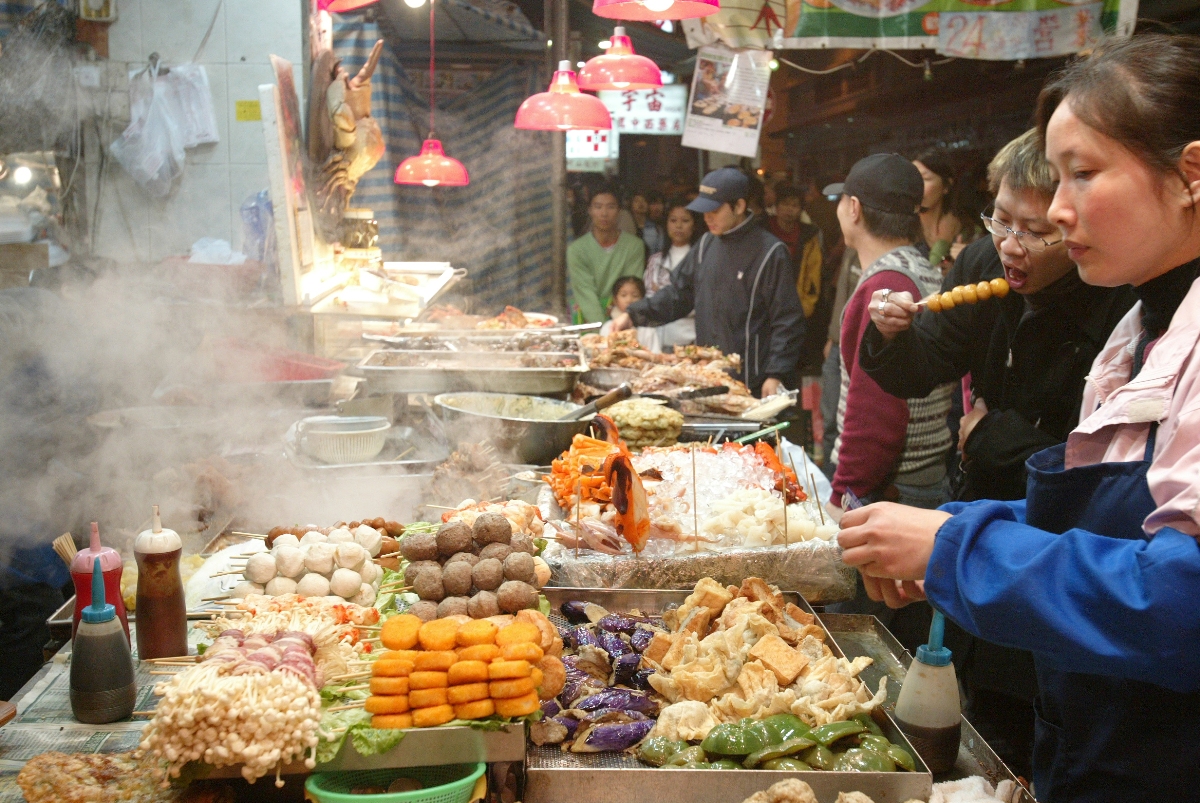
x=646, y=422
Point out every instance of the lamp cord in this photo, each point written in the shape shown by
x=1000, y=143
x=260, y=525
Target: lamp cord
x=431, y=40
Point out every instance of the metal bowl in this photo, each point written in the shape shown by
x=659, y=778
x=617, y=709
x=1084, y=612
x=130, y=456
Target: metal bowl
x=523, y=428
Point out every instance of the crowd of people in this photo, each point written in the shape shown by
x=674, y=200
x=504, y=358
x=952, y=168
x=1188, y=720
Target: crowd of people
x=1025, y=456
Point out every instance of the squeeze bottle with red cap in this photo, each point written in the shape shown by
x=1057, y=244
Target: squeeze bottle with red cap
x=161, y=609
x=110, y=568
x=928, y=709
x=103, y=688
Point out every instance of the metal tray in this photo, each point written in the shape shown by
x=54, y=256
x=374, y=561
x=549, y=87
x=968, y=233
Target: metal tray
x=553, y=776
x=528, y=381
x=482, y=340
x=405, y=451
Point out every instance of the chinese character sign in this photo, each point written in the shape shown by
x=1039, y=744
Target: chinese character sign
x=729, y=96
x=647, y=111
x=593, y=145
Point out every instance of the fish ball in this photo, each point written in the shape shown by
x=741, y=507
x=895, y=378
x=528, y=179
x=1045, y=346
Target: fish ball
x=483, y=605
x=288, y=561
x=519, y=566
x=425, y=610
x=523, y=542
x=312, y=537
x=515, y=595
x=312, y=585
x=456, y=579
x=452, y=606
x=371, y=572
x=541, y=571
x=340, y=536
x=369, y=539
x=350, y=555
x=365, y=595
x=284, y=539
x=419, y=546
x=345, y=583
x=280, y=586
x=492, y=528
x=260, y=568
x=320, y=558
x=245, y=589
x=488, y=574
x=452, y=537
x=428, y=584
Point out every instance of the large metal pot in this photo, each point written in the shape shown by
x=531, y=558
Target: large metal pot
x=523, y=428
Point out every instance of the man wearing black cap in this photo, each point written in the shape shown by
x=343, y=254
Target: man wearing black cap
x=889, y=448
x=741, y=283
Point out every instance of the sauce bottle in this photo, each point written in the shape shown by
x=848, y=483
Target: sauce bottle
x=928, y=709
x=110, y=567
x=161, y=607
x=103, y=688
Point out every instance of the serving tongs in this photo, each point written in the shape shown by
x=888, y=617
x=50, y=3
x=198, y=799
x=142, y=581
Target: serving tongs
x=673, y=401
x=619, y=393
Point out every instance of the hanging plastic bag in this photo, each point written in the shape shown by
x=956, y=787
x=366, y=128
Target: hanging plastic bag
x=151, y=148
x=188, y=85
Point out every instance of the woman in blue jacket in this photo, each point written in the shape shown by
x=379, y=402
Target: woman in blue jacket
x=1097, y=571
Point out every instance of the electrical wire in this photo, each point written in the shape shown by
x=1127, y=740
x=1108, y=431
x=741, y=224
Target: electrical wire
x=847, y=65
x=431, y=41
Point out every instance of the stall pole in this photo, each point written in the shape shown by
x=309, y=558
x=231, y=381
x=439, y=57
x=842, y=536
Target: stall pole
x=558, y=27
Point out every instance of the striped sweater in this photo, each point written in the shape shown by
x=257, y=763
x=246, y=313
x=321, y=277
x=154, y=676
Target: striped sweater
x=884, y=439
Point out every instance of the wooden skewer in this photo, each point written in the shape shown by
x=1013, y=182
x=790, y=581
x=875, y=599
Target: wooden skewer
x=143, y=713
x=172, y=674
x=232, y=571
x=190, y=658
x=174, y=663
x=359, y=704
x=351, y=676
x=395, y=589
x=405, y=454
x=215, y=599
x=817, y=498
x=359, y=687
x=248, y=535
x=388, y=555
x=440, y=507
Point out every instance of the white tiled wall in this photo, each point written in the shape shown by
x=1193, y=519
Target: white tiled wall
x=218, y=177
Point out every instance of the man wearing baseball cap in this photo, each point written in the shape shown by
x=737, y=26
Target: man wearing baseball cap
x=741, y=283
x=889, y=448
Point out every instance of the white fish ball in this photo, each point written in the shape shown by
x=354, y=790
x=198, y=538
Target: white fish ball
x=340, y=536
x=280, y=586
x=365, y=595
x=260, y=568
x=245, y=589
x=371, y=572
x=287, y=539
x=312, y=537
x=312, y=585
x=350, y=555
x=368, y=538
x=345, y=583
x=289, y=562
x=320, y=558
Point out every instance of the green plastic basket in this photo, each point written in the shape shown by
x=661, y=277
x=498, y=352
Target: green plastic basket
x=448, y=783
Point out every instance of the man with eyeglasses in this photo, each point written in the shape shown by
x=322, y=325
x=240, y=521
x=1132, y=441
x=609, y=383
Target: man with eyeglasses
x=1028, y=355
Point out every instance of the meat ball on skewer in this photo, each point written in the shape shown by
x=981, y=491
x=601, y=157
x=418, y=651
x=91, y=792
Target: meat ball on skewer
x=452, y=537
x=428, y=584
x=289, y=562
x=312, y=585
x=488, y=574
x=492, y=528
x=260, y=568
x=452, y=606
x=320, y=558
x=456, y=579
x=345, y=583
x=280, y=586
x=425, y=610
x=519, y=566
x=469, y=558
x=523, y=542
x=514, y=596
x=420, y=546
x=483, y=605
x=497, y=551
x=413, y=569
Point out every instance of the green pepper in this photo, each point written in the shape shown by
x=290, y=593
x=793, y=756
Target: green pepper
x=872, y=742
x=789, y=764
x=656, y=750
x=777, y=751
x=735, y=740
x=686, y=756
x=819, y=757
x=831, y=732
x=869, y=723
x=858, y=759
x=726, y=764
x=783, y=727
x=902, y=757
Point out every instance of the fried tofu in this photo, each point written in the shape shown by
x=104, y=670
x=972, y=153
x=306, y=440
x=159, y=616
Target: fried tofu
x=783, y=661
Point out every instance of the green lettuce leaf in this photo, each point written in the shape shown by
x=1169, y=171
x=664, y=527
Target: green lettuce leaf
x=544, y=605
x=334, y=728
x=370, y=741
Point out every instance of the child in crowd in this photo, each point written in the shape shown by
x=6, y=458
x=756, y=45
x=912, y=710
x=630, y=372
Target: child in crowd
x=625, y=291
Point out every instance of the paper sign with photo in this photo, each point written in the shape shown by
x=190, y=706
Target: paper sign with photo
x=729, y=95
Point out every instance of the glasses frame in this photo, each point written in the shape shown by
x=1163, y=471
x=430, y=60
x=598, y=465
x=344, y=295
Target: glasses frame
x=1020, y=235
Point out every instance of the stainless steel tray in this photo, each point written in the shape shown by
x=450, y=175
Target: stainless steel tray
x=405, y=451
x=554, y=776
x=469, y=375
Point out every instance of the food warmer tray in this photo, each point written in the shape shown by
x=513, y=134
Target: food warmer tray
x=465, y=371
x=553, y=776
x=491, y=340
x=406, y=451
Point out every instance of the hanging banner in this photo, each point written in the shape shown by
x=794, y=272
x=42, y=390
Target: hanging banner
x=647, y=111
x=592, y=151
x=729, y=96
x=976, y=29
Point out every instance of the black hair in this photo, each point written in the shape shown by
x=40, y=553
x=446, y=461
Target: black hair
x=624, y=280
x=652, y=196
x=893, y=225
x=605, y=189
x=785, y=191
x=698, y=227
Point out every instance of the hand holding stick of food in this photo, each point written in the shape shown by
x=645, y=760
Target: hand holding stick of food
x=892, y=313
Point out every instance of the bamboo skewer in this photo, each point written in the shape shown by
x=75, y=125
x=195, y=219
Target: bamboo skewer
x=359, y=687
x=153, y=672
x=229, y=573
x=351, y=676
x=64, y=547
x=359, y=704
x=817, y=498
x=215, y=599
x=248, y=535
x=143, y=713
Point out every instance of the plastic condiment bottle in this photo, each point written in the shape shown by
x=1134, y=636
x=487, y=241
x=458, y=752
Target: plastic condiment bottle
x=103, y=688
x=161, y=607
x=928, y=709
x=110, y=568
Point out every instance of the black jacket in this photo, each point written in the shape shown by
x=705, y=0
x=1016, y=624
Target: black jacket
x=1028, y=365
x=742, y=285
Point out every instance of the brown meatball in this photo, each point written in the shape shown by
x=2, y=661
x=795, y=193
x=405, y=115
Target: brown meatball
x=420, y=546
x=523, y=542
x=519, y=566
x=456, y=579
x=492, y=528
x=463, y=557
x=453, y=536
x=483, y=605
x=389, y=546
x=394, y=528
x=514, y=596
x=488, y=574
x=413, y=569
x=497, y=551
x=425, y=610
x=428, y=584
x=452, y=606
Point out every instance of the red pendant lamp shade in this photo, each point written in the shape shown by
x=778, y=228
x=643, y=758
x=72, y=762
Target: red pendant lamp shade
x=432, y=168
x=652, y=10
x=340, y=6
x=563, y=107
x=619, y=68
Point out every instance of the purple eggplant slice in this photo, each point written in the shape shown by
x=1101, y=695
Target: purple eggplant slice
x=548, y=731
x=640, y=638
x=617, y=623
x=613, y=644
x=618, y=698
x=574, y=613
x=599, y=738
x=571, y=724
x=625, y=669
x=550, y=708
x=641, y=680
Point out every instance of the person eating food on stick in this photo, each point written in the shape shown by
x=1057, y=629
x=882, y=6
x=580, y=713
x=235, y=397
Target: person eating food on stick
x=740, y=281
x=1097, y=570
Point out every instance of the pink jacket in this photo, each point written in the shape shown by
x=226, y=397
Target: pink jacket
x=1117, y=413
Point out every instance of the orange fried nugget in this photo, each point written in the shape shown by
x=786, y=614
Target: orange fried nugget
x=518, y=706
x=438, y=634
x=554, y=677
x=480, y=652
x=404, y=655
x=426, y=698
x=389, y=685
x=521, y=651
x=468, y=672
x=400, y=632
x=537, y=675
x=507, y=670
x=467, y=693
x=507, y=689
x=518, y=632
x=392, y=721
x=428, y=680
x=475, y=632
x=479, y=709
x=387, y=704
x=431, y=717
x=435, y=660
x=392, y=668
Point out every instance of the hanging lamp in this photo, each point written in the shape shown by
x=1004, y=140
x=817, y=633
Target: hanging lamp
x=432, y=168
x=342, y=6
x=619, y=67
x=653, y=10
x=563, y=107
